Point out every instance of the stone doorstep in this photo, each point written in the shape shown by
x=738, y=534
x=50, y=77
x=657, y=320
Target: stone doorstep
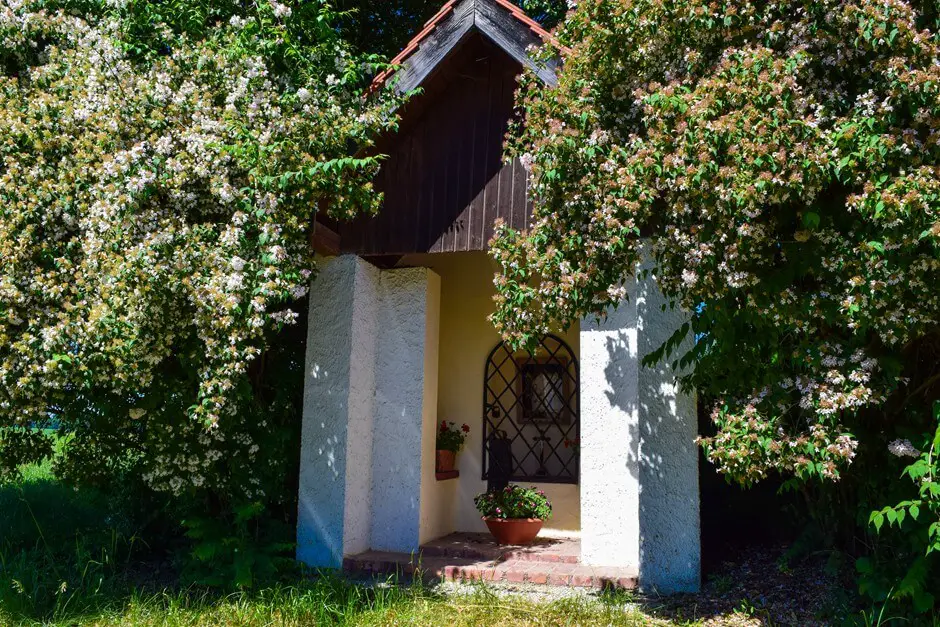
x=517, y=571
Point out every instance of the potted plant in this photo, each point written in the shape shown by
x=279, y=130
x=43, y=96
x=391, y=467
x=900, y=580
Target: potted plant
x=514, y=515
x=450, y=440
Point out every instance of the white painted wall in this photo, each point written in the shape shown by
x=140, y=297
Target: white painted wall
x=610, y=487
x=670, y=545
x=639, y=463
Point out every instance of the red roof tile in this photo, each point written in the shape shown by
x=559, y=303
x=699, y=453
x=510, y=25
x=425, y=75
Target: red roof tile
x=438, y=17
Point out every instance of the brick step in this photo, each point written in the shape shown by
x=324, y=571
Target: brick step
x=483, y=547
x=511, y=571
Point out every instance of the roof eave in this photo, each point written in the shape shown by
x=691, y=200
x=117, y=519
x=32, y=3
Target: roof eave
x=499, y=20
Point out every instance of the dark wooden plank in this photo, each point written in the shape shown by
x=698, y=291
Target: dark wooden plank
x=513, y=37
x=529, y=204
x=324, y=240
x=504, y=206
x=420, y=195
x=501, y=95
x=457, y=240
x=441, y=180
x=447, y=165
x=429, y=181
x=444, y=181
x=482, y=156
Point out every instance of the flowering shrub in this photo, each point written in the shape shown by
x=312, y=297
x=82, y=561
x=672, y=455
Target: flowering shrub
x=514, y=501
x=798, y=215
x=450, y=438
x=160, y=164
x=781, y=162
x=156, y=197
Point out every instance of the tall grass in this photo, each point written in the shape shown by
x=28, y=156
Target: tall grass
x=56, y=546
x=67, y=558
x=329, y=600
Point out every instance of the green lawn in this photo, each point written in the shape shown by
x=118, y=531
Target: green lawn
x=67, y=559
x=336, y=602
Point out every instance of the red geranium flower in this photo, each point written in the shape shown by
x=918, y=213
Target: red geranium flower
x=466, y=428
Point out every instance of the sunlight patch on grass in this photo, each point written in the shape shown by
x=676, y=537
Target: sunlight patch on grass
x=332, y=601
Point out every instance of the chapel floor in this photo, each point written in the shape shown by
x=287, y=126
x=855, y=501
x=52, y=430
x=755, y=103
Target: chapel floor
x=477, y=557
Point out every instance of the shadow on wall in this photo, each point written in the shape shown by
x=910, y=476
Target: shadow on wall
x=662, y=455
x=322, y=470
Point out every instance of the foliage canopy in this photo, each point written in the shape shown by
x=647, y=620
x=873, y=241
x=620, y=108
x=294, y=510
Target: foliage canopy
x=782, y=159
x=780, y=164
x=157, y=179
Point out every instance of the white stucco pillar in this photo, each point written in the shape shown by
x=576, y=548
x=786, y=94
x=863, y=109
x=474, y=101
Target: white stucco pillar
x=670, y=526
x=370, y=413
x=334, y=509
x=406, y=405
x=609, y=474
x=639, y=462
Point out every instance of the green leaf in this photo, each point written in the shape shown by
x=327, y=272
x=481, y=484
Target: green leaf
x=205, y=551
x=248, y=511
x=923, y=602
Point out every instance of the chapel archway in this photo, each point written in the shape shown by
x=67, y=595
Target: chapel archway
x=531, y=397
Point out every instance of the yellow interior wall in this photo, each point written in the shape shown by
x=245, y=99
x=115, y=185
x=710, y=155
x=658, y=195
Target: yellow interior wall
x=437, y=497
x=466, y=338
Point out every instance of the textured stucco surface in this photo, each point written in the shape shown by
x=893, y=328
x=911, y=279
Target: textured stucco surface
x=360, y=421
x=670, y=557
x=639, y=464
x=609, y=439
x=466, y=338
x=336, y=439
x=370, y=411
x=404, y=403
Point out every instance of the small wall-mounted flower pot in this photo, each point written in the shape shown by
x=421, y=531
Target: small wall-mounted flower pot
x=514, y=530
x=445, y=460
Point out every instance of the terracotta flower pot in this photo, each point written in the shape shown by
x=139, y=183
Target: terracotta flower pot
x=445, y=460
x=514, y=530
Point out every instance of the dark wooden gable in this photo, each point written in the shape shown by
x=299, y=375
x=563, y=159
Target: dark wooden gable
x=444, y=180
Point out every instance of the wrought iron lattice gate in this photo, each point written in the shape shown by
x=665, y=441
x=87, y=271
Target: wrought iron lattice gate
x=531, y=398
